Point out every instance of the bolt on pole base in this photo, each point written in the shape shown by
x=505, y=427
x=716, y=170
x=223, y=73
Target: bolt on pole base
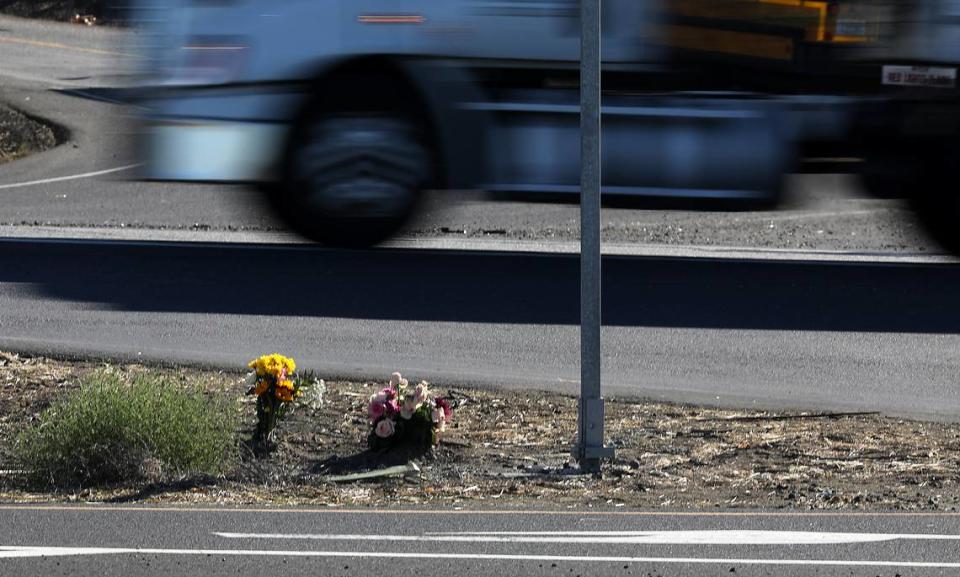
x=590, y=449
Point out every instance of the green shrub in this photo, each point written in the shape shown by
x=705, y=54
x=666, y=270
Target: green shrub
x=123, y=427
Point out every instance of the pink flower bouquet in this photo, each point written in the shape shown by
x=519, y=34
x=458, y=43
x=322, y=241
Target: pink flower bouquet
x=401, y=415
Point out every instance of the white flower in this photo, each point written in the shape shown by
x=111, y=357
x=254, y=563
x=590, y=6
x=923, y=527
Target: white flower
x=312, y=394
x=251, y=379
x=385, y=428
x=421, y=393
x=397, y=381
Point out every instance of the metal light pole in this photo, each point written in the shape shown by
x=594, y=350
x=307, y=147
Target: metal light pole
x=590, y=449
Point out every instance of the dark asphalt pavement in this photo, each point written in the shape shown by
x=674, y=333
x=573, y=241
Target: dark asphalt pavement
x=106, y=541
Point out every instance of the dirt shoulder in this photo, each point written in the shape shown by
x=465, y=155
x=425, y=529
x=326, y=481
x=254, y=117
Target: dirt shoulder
x=21, y=136
x=510, y=449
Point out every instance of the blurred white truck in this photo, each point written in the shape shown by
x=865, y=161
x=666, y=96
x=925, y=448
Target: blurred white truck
x=347, y=109
x=344, y=111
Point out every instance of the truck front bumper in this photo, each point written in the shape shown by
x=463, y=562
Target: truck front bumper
x=208, y=150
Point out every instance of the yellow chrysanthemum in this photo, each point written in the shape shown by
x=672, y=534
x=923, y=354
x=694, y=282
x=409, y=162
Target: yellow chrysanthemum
x=285, y=395
x=275, y=365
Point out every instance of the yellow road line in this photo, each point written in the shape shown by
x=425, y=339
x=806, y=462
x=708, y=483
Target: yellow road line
x=57, y=46
x=577, y=512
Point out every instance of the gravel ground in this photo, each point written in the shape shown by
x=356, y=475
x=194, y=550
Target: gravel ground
x=510, y=449
x=64, y=10
x=819, y=212
x=21, y=136
x=892, y=229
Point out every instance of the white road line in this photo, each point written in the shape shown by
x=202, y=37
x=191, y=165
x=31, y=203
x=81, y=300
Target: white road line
x=8, y=552
x=620, y=537
x=21, y=552
x=725, y=537
x=69, y=177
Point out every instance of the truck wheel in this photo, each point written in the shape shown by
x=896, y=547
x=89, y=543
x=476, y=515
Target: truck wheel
x=353, y=179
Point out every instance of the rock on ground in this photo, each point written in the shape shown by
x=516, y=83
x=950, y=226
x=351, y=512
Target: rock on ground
x=21, y=135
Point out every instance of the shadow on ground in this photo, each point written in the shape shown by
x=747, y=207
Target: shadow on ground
x=479, y=287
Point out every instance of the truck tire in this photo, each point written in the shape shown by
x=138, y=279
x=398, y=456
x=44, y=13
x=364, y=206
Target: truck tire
x=353, y=171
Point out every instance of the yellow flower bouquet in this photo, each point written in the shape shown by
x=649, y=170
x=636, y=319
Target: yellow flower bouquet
x=277, y=385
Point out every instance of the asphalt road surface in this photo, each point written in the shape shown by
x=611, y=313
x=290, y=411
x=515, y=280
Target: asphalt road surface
x=854, y=335
x=138, y=541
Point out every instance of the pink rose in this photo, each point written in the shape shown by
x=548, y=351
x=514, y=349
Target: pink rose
x=392, y=408
x=384, y=429
x=445, y=405
x=389, y=393
x=438, y=420
x=377, y=407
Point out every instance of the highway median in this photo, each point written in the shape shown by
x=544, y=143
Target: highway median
x=501, y=449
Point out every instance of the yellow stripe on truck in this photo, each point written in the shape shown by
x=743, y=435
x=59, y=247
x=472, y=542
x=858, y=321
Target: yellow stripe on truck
x=807, y=15
x=730, y=42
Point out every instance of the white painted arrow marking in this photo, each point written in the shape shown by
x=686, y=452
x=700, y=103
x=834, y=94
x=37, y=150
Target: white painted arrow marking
x=620, y=537
x=69, y=177
x=436, y=556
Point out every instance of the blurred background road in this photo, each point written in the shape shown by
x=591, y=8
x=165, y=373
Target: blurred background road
x=69, y=74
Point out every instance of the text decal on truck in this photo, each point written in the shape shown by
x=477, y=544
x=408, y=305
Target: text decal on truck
x=937, y=77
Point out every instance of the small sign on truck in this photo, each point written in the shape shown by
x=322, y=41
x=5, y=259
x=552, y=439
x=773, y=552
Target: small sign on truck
x=931, y=76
